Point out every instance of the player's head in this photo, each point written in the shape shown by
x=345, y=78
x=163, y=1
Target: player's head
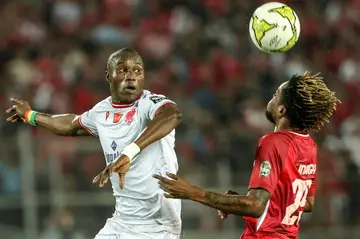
x=304, y=102
x=125, y=74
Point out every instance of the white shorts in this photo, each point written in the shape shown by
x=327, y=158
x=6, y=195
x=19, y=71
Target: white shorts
x=113, y=230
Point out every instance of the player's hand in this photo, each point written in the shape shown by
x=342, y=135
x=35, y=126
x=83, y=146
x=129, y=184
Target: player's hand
x=18, y=110
x=223, y=215
x=175, y=186
x=120, y=166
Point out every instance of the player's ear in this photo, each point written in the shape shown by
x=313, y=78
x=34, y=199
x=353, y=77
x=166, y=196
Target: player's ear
x=281, y=110
x=107, y=76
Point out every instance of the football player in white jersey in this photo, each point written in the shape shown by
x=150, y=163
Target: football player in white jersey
x=136, y=131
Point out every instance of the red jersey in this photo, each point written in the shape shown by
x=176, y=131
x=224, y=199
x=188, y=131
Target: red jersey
x=285, y=166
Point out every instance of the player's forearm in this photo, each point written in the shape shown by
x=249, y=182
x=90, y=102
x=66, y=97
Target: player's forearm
x=310, y=202
x=241, y=205
x=57, y=124
x=308, y=207
x=164, y=122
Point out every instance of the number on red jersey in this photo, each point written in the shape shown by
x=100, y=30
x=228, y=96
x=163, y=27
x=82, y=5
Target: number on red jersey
x=300, y=189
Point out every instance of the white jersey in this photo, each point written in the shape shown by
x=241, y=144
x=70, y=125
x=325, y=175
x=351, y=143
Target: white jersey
x=141, y=203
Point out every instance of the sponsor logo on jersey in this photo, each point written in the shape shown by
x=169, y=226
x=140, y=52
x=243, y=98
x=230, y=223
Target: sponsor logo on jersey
x=157, y=98
x=110, y=157
x=265, y=169
x=307, y=169
x=113, y=145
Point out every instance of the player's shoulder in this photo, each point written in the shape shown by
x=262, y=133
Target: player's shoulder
x=281, y=138
x=152, y=97
x=102, y=105
x=276, y=138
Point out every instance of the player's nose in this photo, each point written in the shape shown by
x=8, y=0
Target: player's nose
x=130, y=76
x=130, y=79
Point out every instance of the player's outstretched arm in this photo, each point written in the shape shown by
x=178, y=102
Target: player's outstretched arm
x=66, y=125
x=253, y=204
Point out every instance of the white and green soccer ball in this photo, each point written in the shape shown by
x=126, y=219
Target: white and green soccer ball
x=274, y=27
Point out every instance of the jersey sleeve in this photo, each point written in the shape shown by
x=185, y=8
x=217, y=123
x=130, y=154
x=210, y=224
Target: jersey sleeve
x=88, y=122
x=268, y=164
x=152, y=103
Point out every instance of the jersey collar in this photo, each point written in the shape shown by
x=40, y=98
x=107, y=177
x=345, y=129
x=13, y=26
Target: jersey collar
x=299, y=133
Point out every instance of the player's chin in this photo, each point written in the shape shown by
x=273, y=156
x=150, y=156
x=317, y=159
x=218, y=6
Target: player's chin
x=131, y=94
x=269, y=116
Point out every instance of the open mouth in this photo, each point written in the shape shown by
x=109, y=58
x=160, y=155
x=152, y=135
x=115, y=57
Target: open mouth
x=130, y=89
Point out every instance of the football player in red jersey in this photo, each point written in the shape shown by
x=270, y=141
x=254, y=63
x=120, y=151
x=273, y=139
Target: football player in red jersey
x=283, y=181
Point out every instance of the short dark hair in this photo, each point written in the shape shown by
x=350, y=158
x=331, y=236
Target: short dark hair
x=308, y=101
x=129, y=50
x=118, y=52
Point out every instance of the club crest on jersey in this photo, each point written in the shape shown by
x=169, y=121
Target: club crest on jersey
x=265, y=169
x=129, y=116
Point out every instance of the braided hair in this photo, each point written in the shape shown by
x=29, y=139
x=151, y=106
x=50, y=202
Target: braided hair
x=309, y=102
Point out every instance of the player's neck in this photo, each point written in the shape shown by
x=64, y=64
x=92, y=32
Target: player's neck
x=283, y=129
x=125, y=100
x=120, y=100
x=286, y=127
x=282, y=125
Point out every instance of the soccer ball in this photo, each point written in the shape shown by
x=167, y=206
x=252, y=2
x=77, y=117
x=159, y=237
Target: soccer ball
x=274, y=27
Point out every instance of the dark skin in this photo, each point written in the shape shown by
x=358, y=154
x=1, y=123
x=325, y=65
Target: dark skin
x=64, y=125
x=125, y=75
x=254, y=202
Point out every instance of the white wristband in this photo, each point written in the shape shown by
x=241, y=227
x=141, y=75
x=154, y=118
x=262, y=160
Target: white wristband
x=131, y=151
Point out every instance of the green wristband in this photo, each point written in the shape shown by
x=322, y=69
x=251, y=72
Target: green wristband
x=32, y=118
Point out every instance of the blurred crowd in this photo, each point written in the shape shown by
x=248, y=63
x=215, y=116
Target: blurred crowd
x=197, y=52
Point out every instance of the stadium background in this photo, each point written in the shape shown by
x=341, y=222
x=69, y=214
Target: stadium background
x=53, y=54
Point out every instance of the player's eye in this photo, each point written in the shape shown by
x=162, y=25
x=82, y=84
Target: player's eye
x=137, y=70
x=121, y=70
